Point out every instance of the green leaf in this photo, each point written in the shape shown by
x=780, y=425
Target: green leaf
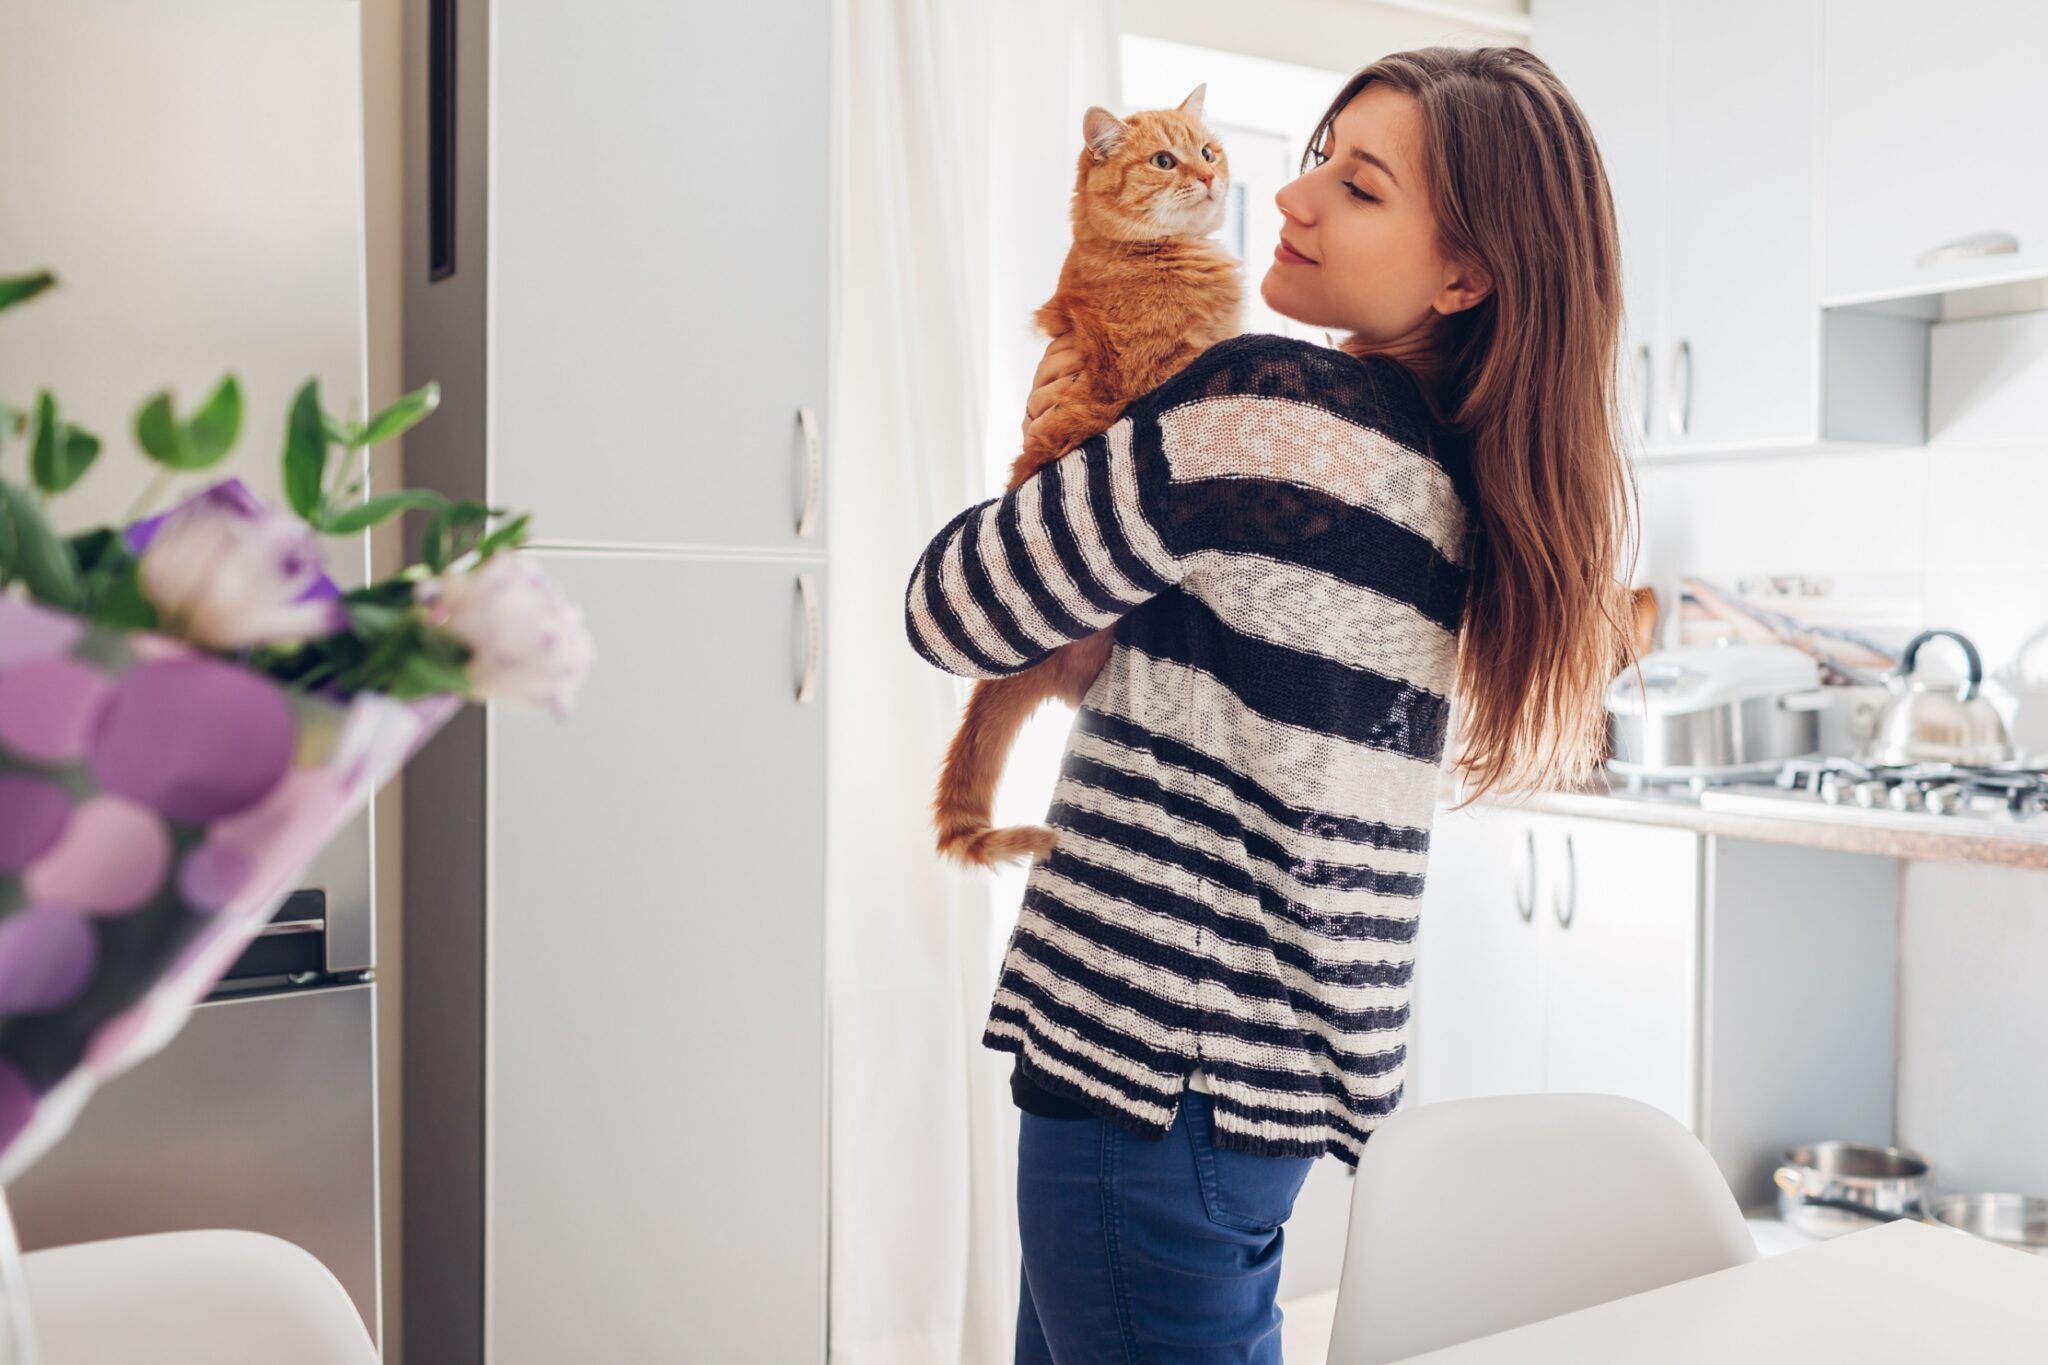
x=451, y=533
x=21, y=288
x=13, y=421
x=124, y=607
x=419, y=675
x=392, y=592
x=402, y=414
x=305, y=451
x=378, y=510
x=203, y=441
x=156, y=431
x=62, y=453
x=32, y=552
x=509, y=536
x=212, y=431
x=374, y=618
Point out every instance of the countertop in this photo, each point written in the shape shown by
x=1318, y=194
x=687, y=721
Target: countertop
x=1742, y=813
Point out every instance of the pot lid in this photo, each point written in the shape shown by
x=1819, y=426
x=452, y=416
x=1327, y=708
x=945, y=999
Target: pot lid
x=1701, y=677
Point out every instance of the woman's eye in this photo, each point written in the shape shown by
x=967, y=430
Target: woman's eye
x=1319, y=154
x=1357, y=193
x=1208, y=155
x=1164, y=161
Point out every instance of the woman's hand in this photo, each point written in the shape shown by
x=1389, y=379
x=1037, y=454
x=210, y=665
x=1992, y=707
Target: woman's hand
x=1057, y=371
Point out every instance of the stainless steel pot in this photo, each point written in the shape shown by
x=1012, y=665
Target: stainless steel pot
x=1714, y=710
x=2017, y=1221
x=1921, y=724
x=1829, y=1188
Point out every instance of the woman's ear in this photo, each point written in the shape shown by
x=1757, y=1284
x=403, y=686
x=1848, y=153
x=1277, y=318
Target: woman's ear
x=1467, y=283
x=1105, y=132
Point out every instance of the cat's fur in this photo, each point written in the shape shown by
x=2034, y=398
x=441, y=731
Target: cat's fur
x=1144, y=291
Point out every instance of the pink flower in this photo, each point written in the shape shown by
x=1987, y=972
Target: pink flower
x=228, y=576
x=528, y=643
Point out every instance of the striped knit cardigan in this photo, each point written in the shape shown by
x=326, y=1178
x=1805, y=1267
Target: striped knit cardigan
x=1243, y=810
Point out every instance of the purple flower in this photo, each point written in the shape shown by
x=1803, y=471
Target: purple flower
x=226, y=571
x=527, y=639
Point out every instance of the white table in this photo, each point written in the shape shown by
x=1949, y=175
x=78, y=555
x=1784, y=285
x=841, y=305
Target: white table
x=1902, y=1292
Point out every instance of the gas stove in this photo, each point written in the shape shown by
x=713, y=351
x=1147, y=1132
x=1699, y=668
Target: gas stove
x=2007, y=794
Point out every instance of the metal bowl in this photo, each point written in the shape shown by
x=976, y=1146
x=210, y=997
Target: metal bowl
x=2018, y=1221
x=1824, y=1188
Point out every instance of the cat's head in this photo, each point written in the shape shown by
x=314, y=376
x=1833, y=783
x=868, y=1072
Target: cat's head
x=1157, y=174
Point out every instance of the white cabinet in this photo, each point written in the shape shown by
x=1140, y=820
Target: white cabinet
x=1739, y=330
x=659, y=181
x=1933, y=121
x=1608, y=56
x=1620, y=965
x=1745, y=989
x=615, y=1051
x=1708, y=122
x=1478, y=977
x=1557, y=955
x=657, y=1075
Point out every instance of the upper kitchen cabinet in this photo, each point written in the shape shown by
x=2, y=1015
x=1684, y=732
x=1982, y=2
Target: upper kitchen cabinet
x=1607, y=55
x=659, y=177
x=1740, y=333
x=1931, y=134
x=1705, y=117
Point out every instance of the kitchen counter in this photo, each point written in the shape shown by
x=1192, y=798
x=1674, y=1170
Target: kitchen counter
x=1742, y=814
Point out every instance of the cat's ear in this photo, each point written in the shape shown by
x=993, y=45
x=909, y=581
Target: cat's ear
x=1105, y=132
x=1192, y=105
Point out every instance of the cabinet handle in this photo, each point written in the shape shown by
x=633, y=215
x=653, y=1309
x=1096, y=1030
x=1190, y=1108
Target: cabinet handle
x=1970, y=248
x=1645, y=388
x=813, y=639
x=1525, y=906
x=814, y=470
x=1566, y=906
x=1681, y=411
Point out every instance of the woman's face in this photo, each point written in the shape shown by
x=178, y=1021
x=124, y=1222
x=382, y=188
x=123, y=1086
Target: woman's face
x=1366, y=238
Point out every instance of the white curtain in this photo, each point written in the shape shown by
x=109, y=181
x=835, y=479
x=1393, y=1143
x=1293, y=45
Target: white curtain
x=955, y=127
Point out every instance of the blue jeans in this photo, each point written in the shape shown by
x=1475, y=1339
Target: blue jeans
x=1166, y=1253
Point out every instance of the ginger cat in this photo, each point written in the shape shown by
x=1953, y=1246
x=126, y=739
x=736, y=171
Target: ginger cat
x=1144, y=291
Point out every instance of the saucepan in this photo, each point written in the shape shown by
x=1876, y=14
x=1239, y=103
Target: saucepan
x=1828, y=1188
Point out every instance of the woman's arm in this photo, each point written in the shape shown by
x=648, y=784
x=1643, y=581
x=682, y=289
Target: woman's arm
x=1055, y=559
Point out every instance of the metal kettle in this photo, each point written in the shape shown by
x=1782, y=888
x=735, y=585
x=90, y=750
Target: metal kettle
x=1921, y=724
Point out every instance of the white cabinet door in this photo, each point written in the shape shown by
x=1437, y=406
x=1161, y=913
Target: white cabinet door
x=656, y=1076
x=1477, y=1027
x=1608, y=56
x=1620, y=922
x=658, y=266
x=1933, y=118
x=1739, y=359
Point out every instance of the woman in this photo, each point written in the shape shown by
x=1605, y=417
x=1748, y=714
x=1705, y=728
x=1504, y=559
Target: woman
x=1308, y=553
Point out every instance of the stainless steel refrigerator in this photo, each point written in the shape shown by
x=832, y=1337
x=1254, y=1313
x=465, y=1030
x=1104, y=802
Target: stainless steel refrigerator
x=193, y=173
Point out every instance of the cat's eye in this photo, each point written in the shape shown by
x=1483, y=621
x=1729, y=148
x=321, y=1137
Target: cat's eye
x=1208, y=155
x=1164, y=161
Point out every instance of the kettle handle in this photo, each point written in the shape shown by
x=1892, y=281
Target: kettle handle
x=1967, y=688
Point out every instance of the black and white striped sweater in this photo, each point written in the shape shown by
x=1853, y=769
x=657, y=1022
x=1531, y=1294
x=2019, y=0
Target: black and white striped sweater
x=1281, y=535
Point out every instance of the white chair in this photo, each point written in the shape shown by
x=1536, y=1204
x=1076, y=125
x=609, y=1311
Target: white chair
x=1474, y=1216
x=194, y=1298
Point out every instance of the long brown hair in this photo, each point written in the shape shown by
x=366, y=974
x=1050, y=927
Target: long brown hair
x=1529, y=377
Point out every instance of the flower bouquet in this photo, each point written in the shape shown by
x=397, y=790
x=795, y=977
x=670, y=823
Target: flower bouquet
x=190, y=709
